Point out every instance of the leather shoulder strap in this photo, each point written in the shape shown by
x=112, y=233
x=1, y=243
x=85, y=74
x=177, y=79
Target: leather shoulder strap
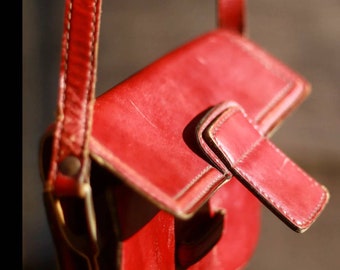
x=68, y=175
x=77, y=79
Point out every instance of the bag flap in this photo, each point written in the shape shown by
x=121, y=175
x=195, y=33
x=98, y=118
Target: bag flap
x=144, y=129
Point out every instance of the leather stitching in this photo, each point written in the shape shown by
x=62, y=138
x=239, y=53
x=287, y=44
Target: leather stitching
x=253, y=147
x=248, y=48
x=61, y=137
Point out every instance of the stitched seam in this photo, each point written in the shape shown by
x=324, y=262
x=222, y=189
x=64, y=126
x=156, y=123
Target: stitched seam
x=88, y=119
x=88, y=106
x=263, y=193
x=192, y=182
x=153, y=192
x=194, y=200
x=218, y=126
x=63, y=98
x=195, y=180
x=279, y=96
x=284, y=90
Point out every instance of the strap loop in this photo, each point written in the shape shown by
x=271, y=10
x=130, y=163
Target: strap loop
x=231, y=15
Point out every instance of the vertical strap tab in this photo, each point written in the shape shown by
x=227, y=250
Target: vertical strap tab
x=231, y=15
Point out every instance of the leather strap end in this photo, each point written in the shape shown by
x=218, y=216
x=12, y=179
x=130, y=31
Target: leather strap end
x=231, y=15
x=288, y=191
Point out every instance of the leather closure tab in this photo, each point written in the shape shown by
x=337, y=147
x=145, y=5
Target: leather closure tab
x=233, y=143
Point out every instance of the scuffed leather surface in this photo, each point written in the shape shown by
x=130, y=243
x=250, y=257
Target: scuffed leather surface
x=276, y=180
x=144, y=127
x=76, y=94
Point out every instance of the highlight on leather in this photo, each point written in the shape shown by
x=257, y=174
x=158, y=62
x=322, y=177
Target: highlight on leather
x=156, y=112
x=279, y=183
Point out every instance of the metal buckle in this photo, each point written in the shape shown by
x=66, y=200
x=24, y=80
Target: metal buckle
x=74, y=220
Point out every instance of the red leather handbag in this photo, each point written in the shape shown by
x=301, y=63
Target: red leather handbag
x=167, y=169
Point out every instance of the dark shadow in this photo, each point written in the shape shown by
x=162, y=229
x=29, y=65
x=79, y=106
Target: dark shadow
x=190, y=138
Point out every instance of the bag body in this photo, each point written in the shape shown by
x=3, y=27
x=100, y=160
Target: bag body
x=168, y=169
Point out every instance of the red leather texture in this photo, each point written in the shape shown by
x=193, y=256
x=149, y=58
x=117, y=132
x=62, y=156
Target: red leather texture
x=139, y=252
x=66, y=176
x=76, y=95
x=279, y=183
x=144, y=126
x=231, y=14
x=241, y=228
x=153, y=120
x=169, y=159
